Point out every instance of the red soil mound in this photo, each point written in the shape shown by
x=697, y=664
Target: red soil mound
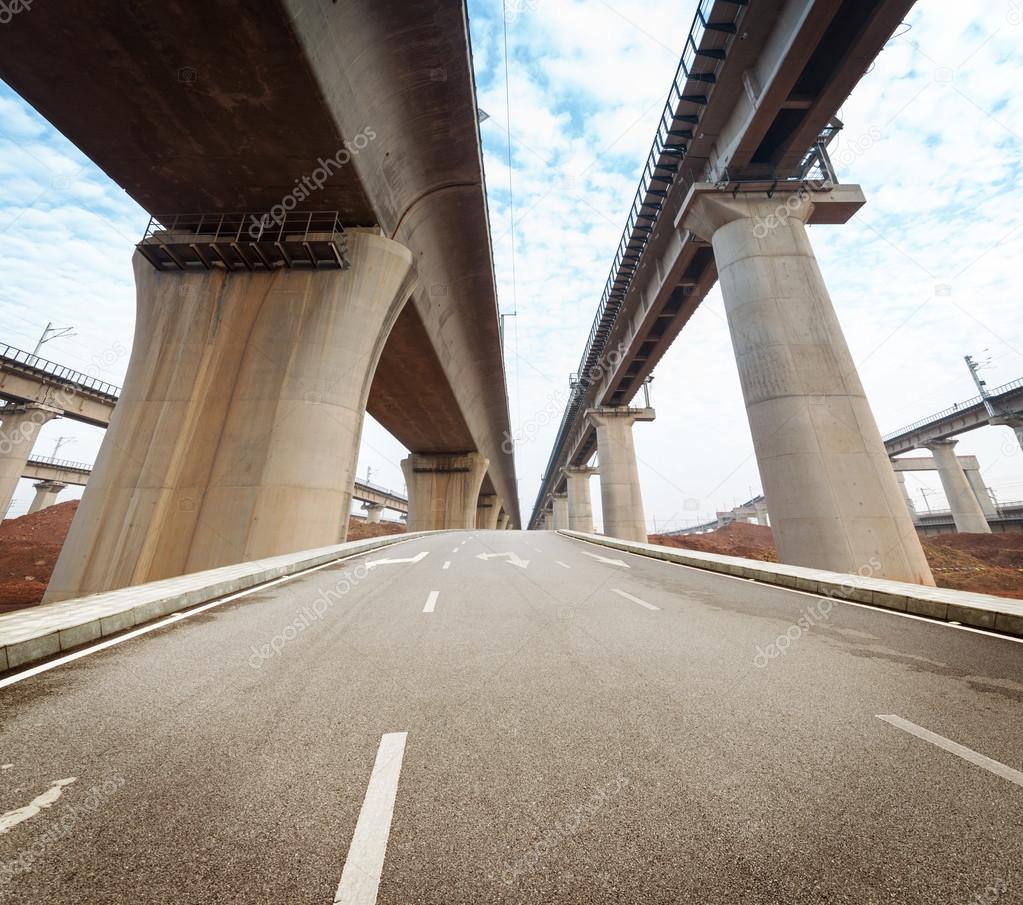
x=981, y=563
x=360, y=529
x=29, y=547
x=28, y=552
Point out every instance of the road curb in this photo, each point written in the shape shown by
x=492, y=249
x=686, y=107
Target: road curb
x=1000, y=614
x=35, y=633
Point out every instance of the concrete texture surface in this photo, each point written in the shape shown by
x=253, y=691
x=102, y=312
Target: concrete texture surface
x=835, y=503
x=565, y=744
x=621, y=498
x=237, y=431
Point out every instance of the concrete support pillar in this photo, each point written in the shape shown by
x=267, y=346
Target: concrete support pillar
x=980, y=491
x=46, y=495
x=373, y=512
x=966, y=510
x=488, y=509
x=237, y=431
x=18, y=432
x=901, y=478
x=580, y=506
x=620, y=496
x=502, y=521
x=835, y=503
x=560, y=502
x=443, y=489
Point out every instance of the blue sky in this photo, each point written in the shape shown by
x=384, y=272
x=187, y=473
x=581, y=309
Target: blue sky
x=925, y=274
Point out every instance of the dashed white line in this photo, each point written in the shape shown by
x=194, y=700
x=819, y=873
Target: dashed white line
x=447, y=564
x=431, y=602
x=564, y=565
x=459, y=547
x=360, y=878
x=968, y=754
x=628, y=596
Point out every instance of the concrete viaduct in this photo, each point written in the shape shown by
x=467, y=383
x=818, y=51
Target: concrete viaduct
x=738, y=169
x=34, y=385
x=319, y=248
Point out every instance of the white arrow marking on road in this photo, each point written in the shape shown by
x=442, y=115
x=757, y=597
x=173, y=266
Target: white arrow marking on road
x=628, y=596
x=513, y=559
x=610, y=562
x=393, y=562
x=360, y=878
x=967, y=754
x=19, y=815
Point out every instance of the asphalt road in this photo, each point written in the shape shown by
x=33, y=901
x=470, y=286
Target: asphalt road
x=570, y=730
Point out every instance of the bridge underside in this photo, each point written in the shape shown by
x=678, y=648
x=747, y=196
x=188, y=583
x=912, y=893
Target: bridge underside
x=230, y=112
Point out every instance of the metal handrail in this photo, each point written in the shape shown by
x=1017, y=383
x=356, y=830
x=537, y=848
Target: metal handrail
x=236, y=226
x=27, y=359
x=380, y=489
x=59, y=463
x=957, y=408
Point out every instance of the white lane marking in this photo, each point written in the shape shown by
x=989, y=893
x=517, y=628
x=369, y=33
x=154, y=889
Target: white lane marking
x=564, y=565
x=980, y=760
x=447, y=564
x=431, y=602
x=513, y=559
x=610, y=562
x=419, y=557
x=6, y=766
x=360, y=878
x=19, y=815
x=628, y=596
x=459, y=547
x=175, y=617
x=863, y=606
x=537, y=549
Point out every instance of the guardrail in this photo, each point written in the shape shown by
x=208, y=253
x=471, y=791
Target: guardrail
x=957, y=408
x=380, y=489
x=60, y=463
x=33, y=362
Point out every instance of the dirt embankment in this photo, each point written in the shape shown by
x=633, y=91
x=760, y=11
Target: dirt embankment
x=29, y=547
x=981, y=563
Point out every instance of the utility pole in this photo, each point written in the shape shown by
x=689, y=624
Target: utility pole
x=924, y=492
x=646, y=390
x=994, y=415
x=49, y=333
x=61, y=441
x=369, y=475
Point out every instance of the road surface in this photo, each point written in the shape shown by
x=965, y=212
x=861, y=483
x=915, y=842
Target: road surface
x=519, y=717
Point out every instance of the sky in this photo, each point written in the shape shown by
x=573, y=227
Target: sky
x=923, y=275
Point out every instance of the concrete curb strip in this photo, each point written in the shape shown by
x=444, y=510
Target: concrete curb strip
x=35, y=633
x=986, y=611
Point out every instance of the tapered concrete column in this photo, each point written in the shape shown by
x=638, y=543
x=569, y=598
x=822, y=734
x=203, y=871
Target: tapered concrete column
x=236, y=434
x=835, y=503
x=980, y=491
x=18, y=431
x=620, y=497
x=443, y=489
x=488, y=508
x=580, y=506
x=901, y=478
x=502, y=521
x=46, y=495
x=966, y=510
x=373, y=512
x=560, y=503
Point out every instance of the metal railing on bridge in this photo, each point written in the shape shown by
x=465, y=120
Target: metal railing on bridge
x=29, y=361
x=955, y=409
x=60, y=463
x=246, y=240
